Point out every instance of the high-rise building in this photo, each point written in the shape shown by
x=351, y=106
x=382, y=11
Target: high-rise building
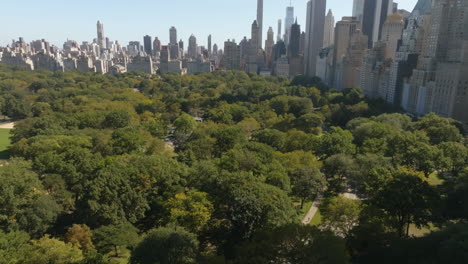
x=147, y=44
x=288, y=23
x=279, y=37
x=192, y=47
x=173, y=36
x=344, y=32
x=329, y=31
x=156, y=45
x=314, y=34
x=209, y=44
x=294, y=40
x=260, y=23
x=375, y=13
x=422, y=7
x=392, y=33
x=269, y=43
x=358, y=9
x=100, y=35
x=231, y=58
x=448, y=46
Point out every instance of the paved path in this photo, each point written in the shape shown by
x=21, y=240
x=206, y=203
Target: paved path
x=312, y=211
x=9, y=125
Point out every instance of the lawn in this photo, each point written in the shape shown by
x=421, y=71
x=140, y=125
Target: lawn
x=317, y=220
x=4, y=143
x=435, y=180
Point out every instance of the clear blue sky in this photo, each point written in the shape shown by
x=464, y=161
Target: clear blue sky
x=124, y=20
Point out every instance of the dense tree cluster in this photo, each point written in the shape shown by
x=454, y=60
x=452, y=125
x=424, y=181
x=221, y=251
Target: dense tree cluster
x=216, y=168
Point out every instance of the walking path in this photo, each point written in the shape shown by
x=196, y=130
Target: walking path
x=9, y=125
x=312, y=211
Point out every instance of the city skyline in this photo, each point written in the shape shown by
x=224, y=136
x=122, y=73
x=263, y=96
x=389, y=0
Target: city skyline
x=134, y=28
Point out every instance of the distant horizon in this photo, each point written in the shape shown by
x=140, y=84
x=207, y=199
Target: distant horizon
x=223, y=21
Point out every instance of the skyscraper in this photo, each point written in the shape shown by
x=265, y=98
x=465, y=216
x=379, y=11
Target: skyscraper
x=314, y=34
x=358, y=9
x=192, y=47
x=288, y=23
x=344, y=32
x=209, y=44
x=294, y=40
x=260, y=23
x=231, y=58
x=173, y=36
x=329, y=31
x=269, y=43
x=100, y=35
x=147, y=43
x=374, y=15
x=156, y=45
x=279, y=36
x=391, y=34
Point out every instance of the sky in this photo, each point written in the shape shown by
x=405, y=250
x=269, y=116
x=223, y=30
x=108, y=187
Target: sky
x=126, y=20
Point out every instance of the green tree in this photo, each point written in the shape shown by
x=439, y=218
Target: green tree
x=23, y=202
x=338, y=141
x=50, y=250
x=117, y=119
x=166, y=246
x=337, y=170
x=456, y=155
x=115, y=238
x=14, y=246
x=307, y=183
x=191, y=210
x=184, y=126
x=340, y=215
x=407, y=200
x=293, y=244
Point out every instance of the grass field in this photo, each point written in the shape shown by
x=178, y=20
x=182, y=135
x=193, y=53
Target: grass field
x=4, y=143
x=317, y=220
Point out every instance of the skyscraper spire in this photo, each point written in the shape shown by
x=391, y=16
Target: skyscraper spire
x=260, y=22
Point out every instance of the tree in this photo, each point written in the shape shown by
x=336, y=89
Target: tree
x=191, y=210
x=340, y=215
x=114, y=238
x=293, y=244
x=14, y=246
x=426, y=158
x=117, y=119
x=127, y=140
x=50, y=250
x=253, y=206
x=407, y=200
x=338, y=141
x=457, y=155
x=337, y=170
x=184, y=126
x=80, y=236
x=307, y=183
x=166, y=246
x=439, y=129
x=23, y=202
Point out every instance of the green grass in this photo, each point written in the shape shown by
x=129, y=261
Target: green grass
x=435, y=180
x=317, y=220
x=4, y=143
x=420, y=232
x=304, y=210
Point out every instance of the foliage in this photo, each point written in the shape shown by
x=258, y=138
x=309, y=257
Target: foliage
x=166, y=245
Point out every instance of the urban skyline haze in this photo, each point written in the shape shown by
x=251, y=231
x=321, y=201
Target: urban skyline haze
x=123, y=22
